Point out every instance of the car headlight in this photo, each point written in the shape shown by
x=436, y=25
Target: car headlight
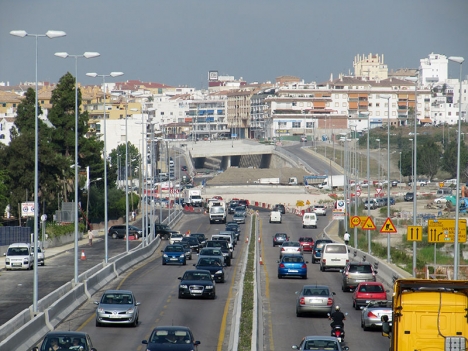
x=219, y=272
x=131, y=310
x=183, y=286
x=208, y=287
x=7, y=261
x=182, y=256
x=165, y=256
x=100, y=310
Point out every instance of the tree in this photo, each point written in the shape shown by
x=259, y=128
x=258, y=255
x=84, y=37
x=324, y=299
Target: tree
x=117, y=160
x=429, y=158
x=449, y=161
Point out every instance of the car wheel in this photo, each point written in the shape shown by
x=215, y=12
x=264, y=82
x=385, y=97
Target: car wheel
x=180, y=296
x=98, y=324
x=135, y=323
x=342, y=288
x=163, y=262
x=298, y=314
x=303, y=226
x=304, y=277
x=279, y=276
x=184, y=263
x=114, y=235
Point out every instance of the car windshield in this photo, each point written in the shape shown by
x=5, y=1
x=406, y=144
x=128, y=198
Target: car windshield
x=162, y=336
x=307, y=240
x=196, y=275
x=117, y=299
x=176, y=235
x=171, y=248
x=64, y=341
x=288, y=259
x=380, y=304
x=210, y=252
x=320, y=345
x=209, y=262
x=360, y=269
x=291, y=243
x=371, y=288
x=18, y=251
x=315, y=292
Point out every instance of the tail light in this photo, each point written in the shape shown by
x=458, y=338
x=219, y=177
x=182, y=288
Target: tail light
x=330, y=301
x=371, y=315
x=281, y=265
x=324, y=261
x=298, y=249
x=282, y=249
x=301, y=301
x=347, y=261
x=304, y=266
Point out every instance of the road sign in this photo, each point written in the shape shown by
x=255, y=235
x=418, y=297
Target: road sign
x=362, y=220
x=358, y=193
x=368, y=224
x=355, y=221
x=388, y=227
x=414, y=233
x=443, y=230
x=378, y=190
x=441, y=184
x=358, y=188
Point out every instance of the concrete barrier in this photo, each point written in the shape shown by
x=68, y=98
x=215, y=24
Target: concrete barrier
x=26, y=337
x=15, y=323
x=64, y=306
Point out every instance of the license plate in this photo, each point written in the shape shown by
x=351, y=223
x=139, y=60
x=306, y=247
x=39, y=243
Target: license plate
x=16, y=264
x=315, y=301
x=293, y=270
x=174, y=259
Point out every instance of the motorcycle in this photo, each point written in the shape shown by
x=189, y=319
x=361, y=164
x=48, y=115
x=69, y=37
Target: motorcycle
x=338, y=330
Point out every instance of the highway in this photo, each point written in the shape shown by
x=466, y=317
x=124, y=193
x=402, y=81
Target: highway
x=155, y=286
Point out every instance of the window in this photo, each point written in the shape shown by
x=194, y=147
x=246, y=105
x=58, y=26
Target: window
x=296, y=124
x=337, y=104
x=344, y=104
x=309, y=125
x=377, y=104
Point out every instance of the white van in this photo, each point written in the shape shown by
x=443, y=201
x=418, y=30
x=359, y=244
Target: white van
x=275, y=217
x=334, y=255
x=19, y=256
x=309, y=220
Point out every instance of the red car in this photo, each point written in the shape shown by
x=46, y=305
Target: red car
x=307, y=243
x=368, y=291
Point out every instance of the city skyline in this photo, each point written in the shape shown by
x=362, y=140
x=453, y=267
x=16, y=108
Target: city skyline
x=177, y=43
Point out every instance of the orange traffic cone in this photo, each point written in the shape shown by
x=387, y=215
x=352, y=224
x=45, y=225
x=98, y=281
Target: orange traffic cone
x=246, y=240
x=83, y=256
x=261, y=261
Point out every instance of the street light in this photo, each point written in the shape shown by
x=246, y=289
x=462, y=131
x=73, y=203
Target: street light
x=456, y=247
x=88, y=190
x=378, y=164
x=388, y=171
x=51, y=34
x=368, y=177
x=400, y=166
x=112, y=74
x=85, y=55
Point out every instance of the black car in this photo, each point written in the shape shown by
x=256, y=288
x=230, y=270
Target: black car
x=197, y=283
x=224, y=246
x=280, y=238
x=234, y=227
x=171, y=338
x=66, y=340
x=187, y=248
x=409, y=197
x=232, y=206
x=317, y=249
x=193, y=242
x=183, y=168
x=119, y=231
x=201, y=238
x=280, y=208
x=163, y=230
x=213, y=264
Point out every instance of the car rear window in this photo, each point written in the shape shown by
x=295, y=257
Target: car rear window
x=360, y=268
x=316, y=292
x=308, y=240
x=371, y=288
x=336, y=249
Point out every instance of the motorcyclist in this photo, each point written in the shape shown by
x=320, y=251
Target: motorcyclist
x=337, y=318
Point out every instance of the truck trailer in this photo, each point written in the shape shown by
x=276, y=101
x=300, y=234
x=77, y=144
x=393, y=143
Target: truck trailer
x=192, y=197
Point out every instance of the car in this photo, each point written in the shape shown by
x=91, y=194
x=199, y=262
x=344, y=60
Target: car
x=275, y=217
x=280, y=238
x=355, y=273
x=117, y=307
x=232, y=206
x=193, y=242
x=66, y=340
x=304, y=139
x=239, y=218
x=320, y=343
x=187, y=249
x=213, y=264
x=183, y=168
x=320, y=210
x=119, y=231
x=409, y=196
x=40, y=255
x=235, y=227
x=290, y=247
x=373, y=311
x=174, y=237
x=395, y=182
x=213, y=252
x=367, y=291
x=241, y=209
x=171, y=338
x=307, y=243
x=232, y=234
x=197, y=283
x=224, y=247
x=291, y=265
x=317, y=249
x=315, y=299
x=381, y=202
x=201, y=238
x=280, y=208
x=163, y=230
x=244, y=202
x=440, y=200
x=371, y=203
x=385, y=201
x=174, y=253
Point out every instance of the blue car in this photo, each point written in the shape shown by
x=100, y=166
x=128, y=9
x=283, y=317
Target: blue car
x=174, y=253
x=292, y=266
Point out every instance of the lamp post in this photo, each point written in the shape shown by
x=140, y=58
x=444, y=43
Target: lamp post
x=51, y=34
x=388, y=171
x=87, y=200
x=112, y=74
x=368, y=178
x=412, y=160
x=378, y=164
x=400, y=166
x=456, y=247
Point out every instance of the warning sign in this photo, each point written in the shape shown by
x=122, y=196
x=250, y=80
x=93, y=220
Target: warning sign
x=368, y=224
x=388, y=227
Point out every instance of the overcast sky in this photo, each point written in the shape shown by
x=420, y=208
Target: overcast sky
x=176, y=42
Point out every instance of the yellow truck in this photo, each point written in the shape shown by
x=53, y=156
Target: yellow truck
x=428, y=315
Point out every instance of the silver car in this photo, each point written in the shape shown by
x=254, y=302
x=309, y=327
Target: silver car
x=318, y=299
x=371, y=314
x=320, y=343
x=290, y=247
x=117, y=307
x=239, y=218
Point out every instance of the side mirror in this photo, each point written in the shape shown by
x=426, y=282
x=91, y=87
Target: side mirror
x=96, y=302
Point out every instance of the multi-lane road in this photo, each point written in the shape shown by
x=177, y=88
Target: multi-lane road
x=155, y=286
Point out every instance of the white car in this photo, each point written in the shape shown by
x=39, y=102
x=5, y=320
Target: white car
x=320, y=210
x=290, y=247
x=440, y=200
x=175, y=237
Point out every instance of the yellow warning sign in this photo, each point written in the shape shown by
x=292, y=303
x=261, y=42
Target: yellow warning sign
x=388, y=227
x=307, y=202
x=299, y=203
x=368, y=224
x=355, y=221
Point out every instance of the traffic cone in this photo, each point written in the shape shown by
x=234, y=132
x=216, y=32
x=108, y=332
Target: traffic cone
x=83, y=256
x=261, y=261
x=246, y=240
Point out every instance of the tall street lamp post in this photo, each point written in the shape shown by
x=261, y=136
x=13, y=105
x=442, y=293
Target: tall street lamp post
x=400, y=166
x=88, y=190
x=85, y=55
x=112, y=74
x=51, y=34
x=378, y=164
x=456, y=247
x=368, y=178
x=388, y=171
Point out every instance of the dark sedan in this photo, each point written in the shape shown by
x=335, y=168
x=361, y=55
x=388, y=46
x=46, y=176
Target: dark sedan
x=197, y=283
x=280, y=238
x=234, y=227
x=171, y=338
x=215, y=251
x=193, y=242
x=66, y=340
x=213, y=264
x=201, y=238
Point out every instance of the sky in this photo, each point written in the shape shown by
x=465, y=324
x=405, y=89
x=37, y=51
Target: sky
x=177, y=42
